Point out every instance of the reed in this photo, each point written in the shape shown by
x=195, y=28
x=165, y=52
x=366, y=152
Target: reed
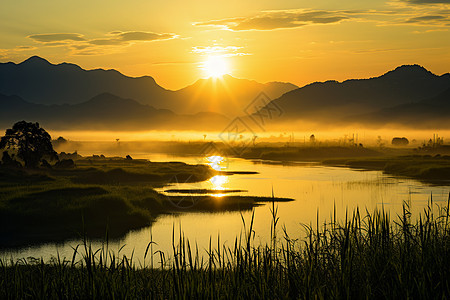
x=366, y=255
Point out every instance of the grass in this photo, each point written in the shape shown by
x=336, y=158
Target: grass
x=424, y=167
x=307, y=153
x=370, y=256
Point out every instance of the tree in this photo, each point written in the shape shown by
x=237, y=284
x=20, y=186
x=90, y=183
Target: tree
x=397, y=141
x=28, y=142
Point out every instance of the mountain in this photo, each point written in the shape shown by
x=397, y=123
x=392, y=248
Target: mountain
x=57, y=94
x=443, y=99
x=429, y=113
x=103, y=112
x=39, y=81
x=228, y=95
x=332, y=100
x=42, y=82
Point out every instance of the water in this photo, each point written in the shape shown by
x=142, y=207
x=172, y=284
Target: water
x=317, y=190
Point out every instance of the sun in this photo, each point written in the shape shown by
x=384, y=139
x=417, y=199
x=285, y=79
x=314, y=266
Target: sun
x=215, y=66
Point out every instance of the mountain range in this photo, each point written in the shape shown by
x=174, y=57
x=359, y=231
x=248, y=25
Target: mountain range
x=41, y=82
x=332, y=100
x=103, y=112
x=66, y=96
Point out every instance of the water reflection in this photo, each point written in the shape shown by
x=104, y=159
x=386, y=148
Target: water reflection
x=218, y=181
x=217, y=184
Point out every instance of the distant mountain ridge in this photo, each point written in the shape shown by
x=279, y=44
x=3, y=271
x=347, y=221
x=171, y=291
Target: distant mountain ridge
x=428, y=113
x=409, y=95
x=42, y=82
x=331, y=100
x=103, y=112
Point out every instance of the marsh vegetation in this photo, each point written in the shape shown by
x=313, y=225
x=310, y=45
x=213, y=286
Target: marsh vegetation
x=99, y=195
x=368, y=255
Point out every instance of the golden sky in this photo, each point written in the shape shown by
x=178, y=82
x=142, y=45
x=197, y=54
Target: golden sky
x=299, y=41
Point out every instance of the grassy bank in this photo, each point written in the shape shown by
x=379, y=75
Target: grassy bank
x=423, y=167
x=307, y=153
x=99, y=194
x=367, y=256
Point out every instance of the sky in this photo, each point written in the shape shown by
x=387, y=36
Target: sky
x=297, y=41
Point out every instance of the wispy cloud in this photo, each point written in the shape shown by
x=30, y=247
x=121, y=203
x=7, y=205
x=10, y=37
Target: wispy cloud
x=431, y=30
x=424, y=2
x=172, y=62
x=430, y=20
x=56, y=37
x=401, y=13
x=122, y=38
x=25, y=48
x=278, y=19
x=81, y=45
x=15, y=52
x=226, y=51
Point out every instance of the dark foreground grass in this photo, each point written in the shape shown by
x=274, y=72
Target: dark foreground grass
x=363, y=257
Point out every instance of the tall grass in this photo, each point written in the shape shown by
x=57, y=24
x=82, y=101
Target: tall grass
x=364, y=256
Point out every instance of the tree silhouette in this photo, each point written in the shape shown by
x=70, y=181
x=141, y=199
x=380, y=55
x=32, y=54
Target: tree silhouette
x=397, y=141
x=28, y=142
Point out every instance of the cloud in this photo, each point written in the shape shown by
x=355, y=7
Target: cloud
x=25, y=48
x=280, y=19
x=428, y=1
x=56, y=37
x=401, y=14
x=80, y=45
x=226, y=51
x=143, y=36
x=431, y=30
x=120, y=38
x=427, y=18
x=430, y=20
x=172, y=62
x=87, y=52
x=16, y=52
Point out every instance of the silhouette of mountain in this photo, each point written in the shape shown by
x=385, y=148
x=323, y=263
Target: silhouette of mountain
x=103, y=112
x=332, y=100
x=121, y=102
x=443, y=99
x=227, y=95
x=41, y=82
x=428, y=113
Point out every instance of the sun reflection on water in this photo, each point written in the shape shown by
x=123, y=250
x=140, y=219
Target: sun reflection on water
x=216, y=162
x=218, y=181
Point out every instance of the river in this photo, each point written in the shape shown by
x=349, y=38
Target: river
x=318, y=191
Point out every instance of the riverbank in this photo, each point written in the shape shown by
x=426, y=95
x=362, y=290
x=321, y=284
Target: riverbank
x=433, y=169
x=427, y=164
